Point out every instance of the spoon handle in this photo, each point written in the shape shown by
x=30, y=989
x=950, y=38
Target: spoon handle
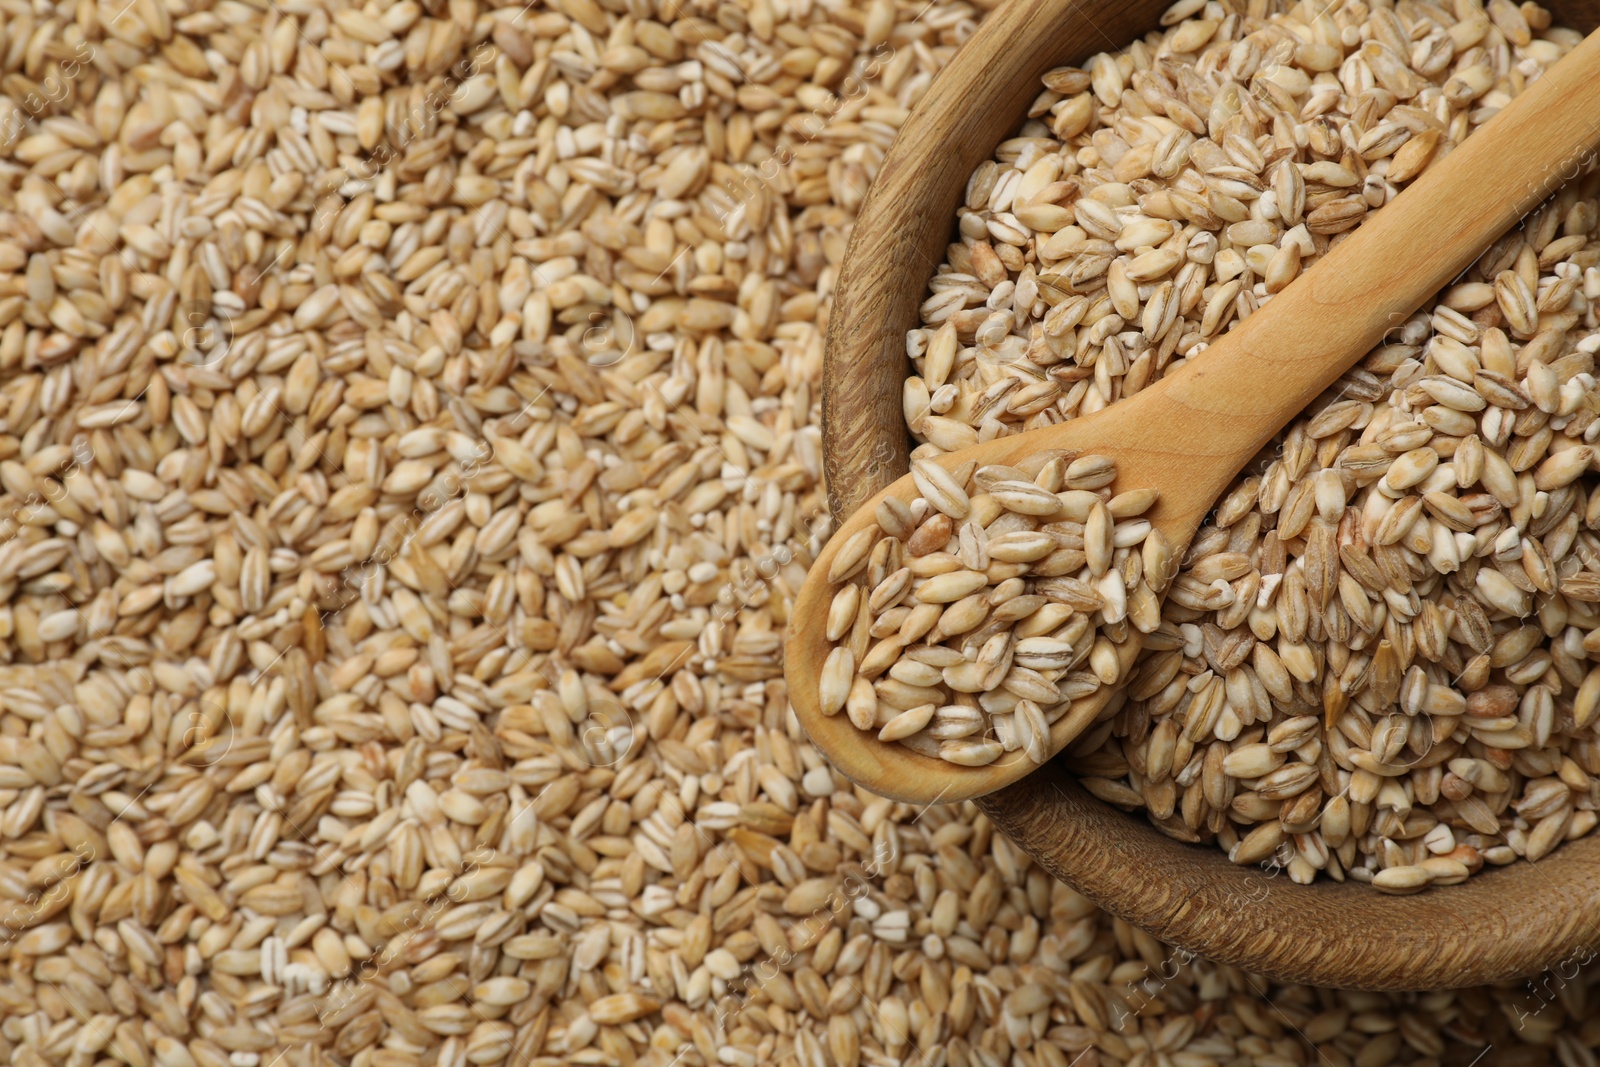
x=1272, y=366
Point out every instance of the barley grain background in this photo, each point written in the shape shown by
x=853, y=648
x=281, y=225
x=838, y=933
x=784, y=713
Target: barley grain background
x=409, y=445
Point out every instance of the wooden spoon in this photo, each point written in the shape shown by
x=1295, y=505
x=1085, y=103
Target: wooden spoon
x=1191, y=433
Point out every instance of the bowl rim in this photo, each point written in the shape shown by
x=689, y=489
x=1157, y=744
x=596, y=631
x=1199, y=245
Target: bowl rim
x=1501, y=924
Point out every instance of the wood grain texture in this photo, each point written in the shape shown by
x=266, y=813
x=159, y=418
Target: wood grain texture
x=1504, y=923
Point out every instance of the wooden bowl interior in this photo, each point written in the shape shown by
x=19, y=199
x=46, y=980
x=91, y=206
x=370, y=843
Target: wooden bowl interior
x=1501, y=924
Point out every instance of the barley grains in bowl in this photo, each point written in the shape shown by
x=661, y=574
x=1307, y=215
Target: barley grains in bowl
x=1374, y=661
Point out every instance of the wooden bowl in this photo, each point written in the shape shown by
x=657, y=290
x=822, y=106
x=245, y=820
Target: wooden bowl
x=1503, y=923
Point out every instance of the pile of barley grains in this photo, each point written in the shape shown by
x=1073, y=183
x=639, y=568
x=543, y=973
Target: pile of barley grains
x=1394, y=679
x=962, y=621
x=1375, y=659
x=408, y=456
x=1163, y=193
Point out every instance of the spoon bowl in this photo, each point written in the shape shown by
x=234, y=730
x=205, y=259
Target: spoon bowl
x=1501, y=924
